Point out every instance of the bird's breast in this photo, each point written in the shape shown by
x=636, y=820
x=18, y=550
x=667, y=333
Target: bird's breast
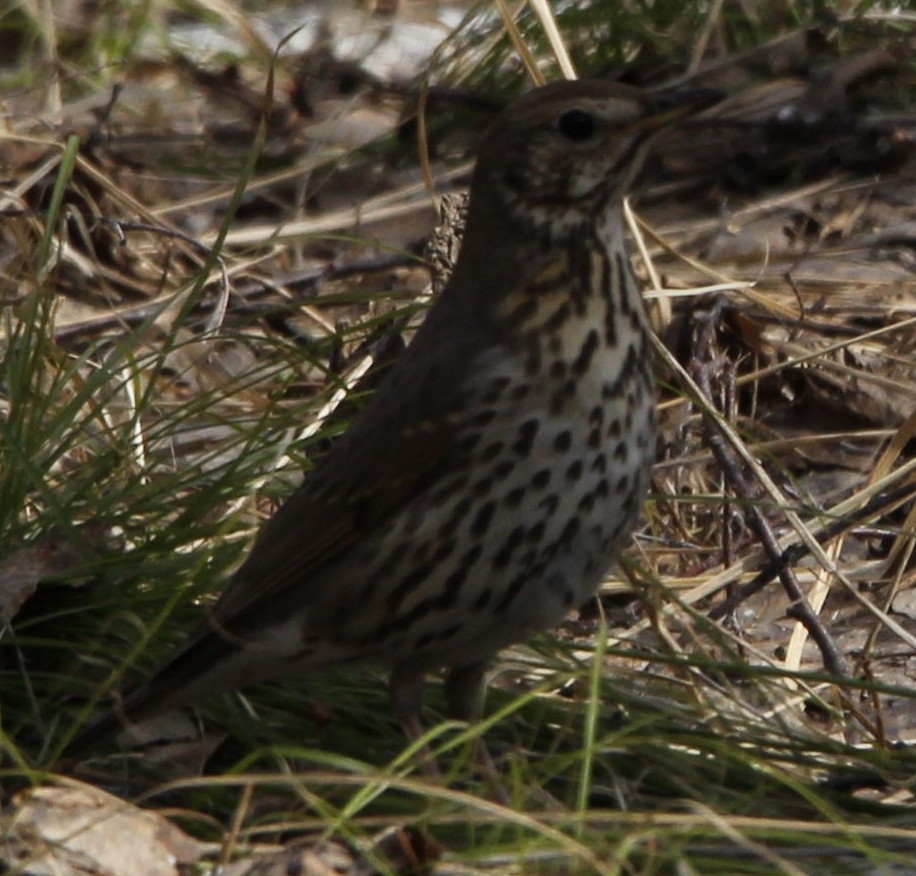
x=547, y=470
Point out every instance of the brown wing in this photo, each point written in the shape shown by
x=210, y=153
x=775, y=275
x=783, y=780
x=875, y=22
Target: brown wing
x=401, y=445
x=377, y=467
x=370, y=474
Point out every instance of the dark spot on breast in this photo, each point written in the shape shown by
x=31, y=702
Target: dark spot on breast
x=550, y=503
x=610, y=326
x=482, y=487
x=508, y=548
x=563, y=441
x=408, y=584
x=620, y=451
x=613, y=429
x=520, y=392
x=471, y=556
x=599, y=463
x=561, y=397
x=444, y=550
x=482, y=519
x=503, y=469
x=468, y=442
x=495, y=390
x=571, y=530
x=558, y=317
x=510, y=593
x=523, y=311
x=586, y=503
x=602, y=488
x=527, y=432
x=536, y=533
x=623, y=485
x=491, y=451
x=596, y=416
x=630, y=365
x=458, y=513
x=595, y=438
x=454, y=583
x=584, y=359
x=558, y=369
x=399, y=623
x=541, y=479
x=610, y=391
x=453, y=586
x=574, y=472
x=514, y=497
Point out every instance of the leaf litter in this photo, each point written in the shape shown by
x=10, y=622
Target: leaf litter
x=790, y=391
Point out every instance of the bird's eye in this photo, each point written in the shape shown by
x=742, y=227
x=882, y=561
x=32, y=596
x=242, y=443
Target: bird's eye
x=576, y=124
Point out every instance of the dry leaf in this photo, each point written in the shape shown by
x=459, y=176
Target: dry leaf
x=21, y=573
x=77, y=829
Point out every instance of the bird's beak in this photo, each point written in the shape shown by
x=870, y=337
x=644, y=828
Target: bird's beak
x=666, y=107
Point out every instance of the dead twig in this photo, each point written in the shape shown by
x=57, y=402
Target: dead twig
x=703, y=366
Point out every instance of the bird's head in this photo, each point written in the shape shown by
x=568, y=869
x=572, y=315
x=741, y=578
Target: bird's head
x=564, y=151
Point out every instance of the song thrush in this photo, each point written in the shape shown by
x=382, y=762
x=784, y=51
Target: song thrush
x=483, y=491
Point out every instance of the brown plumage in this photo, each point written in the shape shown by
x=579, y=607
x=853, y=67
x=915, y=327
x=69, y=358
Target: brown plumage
x=484, y=490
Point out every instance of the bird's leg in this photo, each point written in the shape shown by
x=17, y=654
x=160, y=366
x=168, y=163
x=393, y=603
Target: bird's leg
x=464, y=693
x=405, y=687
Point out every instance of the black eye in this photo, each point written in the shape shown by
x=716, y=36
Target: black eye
x=576, y=124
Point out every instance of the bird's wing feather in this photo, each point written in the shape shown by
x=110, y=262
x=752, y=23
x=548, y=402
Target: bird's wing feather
x=386, y=459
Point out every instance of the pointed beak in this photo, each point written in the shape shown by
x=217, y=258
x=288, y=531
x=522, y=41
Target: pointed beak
x=666, y=107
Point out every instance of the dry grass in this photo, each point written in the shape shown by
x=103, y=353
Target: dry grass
x=196, y=275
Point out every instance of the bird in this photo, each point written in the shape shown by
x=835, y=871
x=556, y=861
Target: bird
x=485, y=489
